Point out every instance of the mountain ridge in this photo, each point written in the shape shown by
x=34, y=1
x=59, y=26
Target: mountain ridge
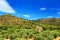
x=9, y=20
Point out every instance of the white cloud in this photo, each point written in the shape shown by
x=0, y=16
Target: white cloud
x=5, y=7
x=27, y=16
x=42, y=8
x=58, y=12
x=50, y=16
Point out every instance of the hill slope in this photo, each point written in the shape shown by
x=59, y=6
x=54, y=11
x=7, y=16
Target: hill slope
x=9, y=20
x=50, y=22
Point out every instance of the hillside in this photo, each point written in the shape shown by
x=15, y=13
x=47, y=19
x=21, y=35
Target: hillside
x=49, y=22
x=14, y=28
x=9, y=20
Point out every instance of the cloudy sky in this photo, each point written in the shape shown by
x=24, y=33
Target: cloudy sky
x=31, y=9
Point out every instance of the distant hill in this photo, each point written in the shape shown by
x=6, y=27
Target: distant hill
x=52, y=22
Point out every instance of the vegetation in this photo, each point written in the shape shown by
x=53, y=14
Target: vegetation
x=14, y=28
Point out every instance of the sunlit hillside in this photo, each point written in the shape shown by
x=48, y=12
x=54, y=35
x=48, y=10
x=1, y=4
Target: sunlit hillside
x=14, y=28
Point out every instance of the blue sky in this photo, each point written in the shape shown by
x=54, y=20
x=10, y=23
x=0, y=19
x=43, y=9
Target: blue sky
x=31, y=9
